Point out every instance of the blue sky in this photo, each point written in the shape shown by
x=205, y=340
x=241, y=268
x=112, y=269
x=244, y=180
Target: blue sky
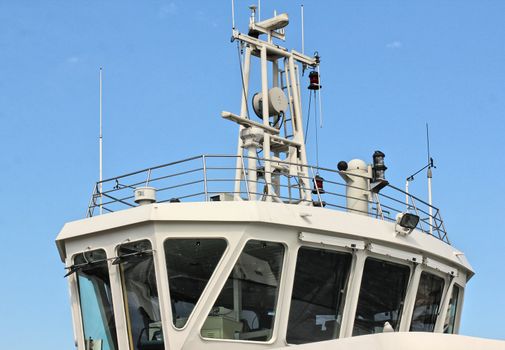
x=388, y=67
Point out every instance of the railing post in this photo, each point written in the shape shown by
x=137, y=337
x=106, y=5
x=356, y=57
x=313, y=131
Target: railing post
x=205, y=178
x=417, y=213
x=245, y=178
x=92, y=203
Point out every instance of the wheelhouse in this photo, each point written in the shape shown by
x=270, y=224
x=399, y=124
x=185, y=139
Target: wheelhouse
x=164, y=278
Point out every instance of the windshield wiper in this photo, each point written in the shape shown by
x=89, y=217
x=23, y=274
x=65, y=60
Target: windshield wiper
x=77, y=267
x=127, y=257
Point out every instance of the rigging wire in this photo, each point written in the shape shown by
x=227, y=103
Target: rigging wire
x=239, y=53
x=308, y=119
x=315, y=126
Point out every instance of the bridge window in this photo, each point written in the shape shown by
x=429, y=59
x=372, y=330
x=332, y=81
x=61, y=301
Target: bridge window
x=429, y=295
x=96, y=300
x=381, y=297
x=318, y=295
x=450, y=318
x=190, y=264
x=245, y=309
x=140, y=295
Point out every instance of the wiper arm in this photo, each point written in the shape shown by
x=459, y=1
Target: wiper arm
x=125, y=257
x=77, y=267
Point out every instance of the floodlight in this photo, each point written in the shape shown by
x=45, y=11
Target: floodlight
x=406, y=223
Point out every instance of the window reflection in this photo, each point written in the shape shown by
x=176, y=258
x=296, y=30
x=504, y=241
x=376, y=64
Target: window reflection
x=96, y=300
x=318, y=295
x=190, y=264
x=429, y=295
x=381, y=297
x=245, y=309
x=450, y=318
x=140, y=295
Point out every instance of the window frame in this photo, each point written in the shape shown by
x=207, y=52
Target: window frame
x=164, y=271
x=157, y=272
x=74, y=282
x=447, y=282
x=278, y=303
x=390, y=259
x=348, y=284
x=459, y=308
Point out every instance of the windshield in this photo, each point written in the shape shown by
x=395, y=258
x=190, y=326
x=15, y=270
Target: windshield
x=245, y=308
x=190, y=264
x=140, y=295
x=382, y=295
x=318, y=295
x=450, y=318
x=426, y=309
x=96, y=300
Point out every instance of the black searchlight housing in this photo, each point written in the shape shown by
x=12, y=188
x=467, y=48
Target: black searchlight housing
x=406, y=223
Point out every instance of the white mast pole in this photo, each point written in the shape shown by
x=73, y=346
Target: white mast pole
x=429, y=199
x=429, y=174
x=101, y=146
x=303, y=34
x=233, y=14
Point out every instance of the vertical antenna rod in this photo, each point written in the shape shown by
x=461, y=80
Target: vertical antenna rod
x=429, y=175
x=303, y=30
x=233, y=14
x=101, y=145
x=259, y=10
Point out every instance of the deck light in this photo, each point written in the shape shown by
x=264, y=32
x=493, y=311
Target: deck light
x=407, y=222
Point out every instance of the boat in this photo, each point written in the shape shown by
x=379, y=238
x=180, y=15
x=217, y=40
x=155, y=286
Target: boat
x=260, y=249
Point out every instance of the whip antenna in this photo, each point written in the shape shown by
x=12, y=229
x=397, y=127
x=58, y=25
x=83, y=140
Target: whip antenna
x=100, y=146
x=303, y=34
x=233, y=14
x=429, y=175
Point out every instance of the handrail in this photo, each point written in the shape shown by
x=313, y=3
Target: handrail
x=184, y=179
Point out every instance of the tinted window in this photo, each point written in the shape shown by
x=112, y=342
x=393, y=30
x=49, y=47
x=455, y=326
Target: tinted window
x=450, y=318
x=96, y=300
x=190, y=264
x=245, y=308
x=140, y=295
x=318, y=295
x=381, y=296
x=429, y=295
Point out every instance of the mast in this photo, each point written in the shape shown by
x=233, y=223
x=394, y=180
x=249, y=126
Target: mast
x=278, y=133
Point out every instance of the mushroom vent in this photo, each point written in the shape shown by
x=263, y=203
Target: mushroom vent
x=145, y=195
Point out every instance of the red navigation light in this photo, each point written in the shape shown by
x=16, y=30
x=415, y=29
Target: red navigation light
x=314, y=80
x=318, y=185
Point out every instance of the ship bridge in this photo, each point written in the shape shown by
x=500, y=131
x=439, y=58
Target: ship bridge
x=176, y=262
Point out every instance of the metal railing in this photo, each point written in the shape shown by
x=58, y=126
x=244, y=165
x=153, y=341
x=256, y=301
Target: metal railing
x=207, y=177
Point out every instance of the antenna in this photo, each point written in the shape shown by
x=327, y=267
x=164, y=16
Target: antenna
x=259, y=10
x=233, y=14
x=101, y=146
x=429, y=175
x=303, y=30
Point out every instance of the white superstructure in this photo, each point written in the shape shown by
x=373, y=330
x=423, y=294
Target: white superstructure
x=260, y=249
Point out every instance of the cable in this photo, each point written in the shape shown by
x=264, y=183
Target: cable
x=308, y=119
x=242, y=79
x=315, y=125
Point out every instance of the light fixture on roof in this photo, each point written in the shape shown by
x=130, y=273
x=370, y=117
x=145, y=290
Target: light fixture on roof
x=406, y=223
